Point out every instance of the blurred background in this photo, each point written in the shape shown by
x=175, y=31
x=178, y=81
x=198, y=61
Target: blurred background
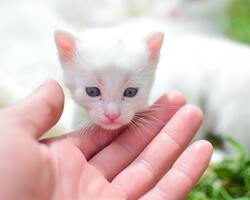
x=28, y=55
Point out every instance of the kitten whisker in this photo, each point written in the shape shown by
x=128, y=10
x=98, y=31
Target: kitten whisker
x=144, y=122
x=155, y=109
x=134, y=127
x=155, y=119
x=164, y=105
x=86, y=129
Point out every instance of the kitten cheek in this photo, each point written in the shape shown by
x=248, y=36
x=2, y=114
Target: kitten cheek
x=127, y=117
x=86, y=107
x=141, y=106
x=93, y=116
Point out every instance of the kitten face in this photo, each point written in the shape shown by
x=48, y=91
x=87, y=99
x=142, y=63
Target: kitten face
x=109, y=74
x=111, y=96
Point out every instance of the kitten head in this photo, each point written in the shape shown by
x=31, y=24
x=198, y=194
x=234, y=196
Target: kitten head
x=109, y=73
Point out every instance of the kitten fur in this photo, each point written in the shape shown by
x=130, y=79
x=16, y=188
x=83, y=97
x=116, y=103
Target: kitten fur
x=180, y=67
x=85, y=64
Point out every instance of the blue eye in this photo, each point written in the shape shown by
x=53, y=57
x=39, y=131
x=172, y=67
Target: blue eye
x=93, y=91
x=130, y=92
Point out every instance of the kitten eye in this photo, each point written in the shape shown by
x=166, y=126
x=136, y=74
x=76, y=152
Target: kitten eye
x=93, y=91
x=130, y=92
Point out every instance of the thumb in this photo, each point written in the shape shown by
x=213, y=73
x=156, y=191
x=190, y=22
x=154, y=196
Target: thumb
x=36, y=114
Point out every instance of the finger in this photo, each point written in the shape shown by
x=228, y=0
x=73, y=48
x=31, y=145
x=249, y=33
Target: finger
x=75, y=177
x=184, y=174
x=36, y=114
x=160, y=154
x=88, y=143
x=122, y=151
x=69, y=163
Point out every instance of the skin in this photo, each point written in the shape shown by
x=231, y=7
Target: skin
x=149, y=164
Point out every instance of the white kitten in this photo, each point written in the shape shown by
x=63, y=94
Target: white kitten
x=109, y=73
x=214, y=74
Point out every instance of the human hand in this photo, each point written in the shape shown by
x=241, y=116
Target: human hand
x=149, y=163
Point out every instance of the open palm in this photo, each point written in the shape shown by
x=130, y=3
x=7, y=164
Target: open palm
x=149, y=162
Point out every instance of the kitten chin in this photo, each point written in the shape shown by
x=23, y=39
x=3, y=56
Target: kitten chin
x=112, y=126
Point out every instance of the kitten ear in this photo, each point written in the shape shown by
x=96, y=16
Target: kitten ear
x=154, y=43
x=65, y=43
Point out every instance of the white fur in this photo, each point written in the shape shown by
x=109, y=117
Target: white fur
x=28, y=57
x=92, y=66
x=215, y=84
x=214, y=74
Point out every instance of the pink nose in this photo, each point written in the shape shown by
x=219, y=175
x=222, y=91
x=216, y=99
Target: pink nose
x=112, y=116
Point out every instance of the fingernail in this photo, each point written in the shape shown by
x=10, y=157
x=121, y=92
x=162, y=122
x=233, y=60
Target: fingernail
x=202, y=145
x=44, y=84
x=176, y=97
x=47, y=82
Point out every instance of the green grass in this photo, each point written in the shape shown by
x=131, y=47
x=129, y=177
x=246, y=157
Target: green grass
x=227, y=180
x=238, y=21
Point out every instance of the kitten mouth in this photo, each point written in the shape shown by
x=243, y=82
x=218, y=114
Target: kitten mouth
x=111, y=126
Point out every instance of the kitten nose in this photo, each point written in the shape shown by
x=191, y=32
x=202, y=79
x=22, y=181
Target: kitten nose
x=112, y=116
